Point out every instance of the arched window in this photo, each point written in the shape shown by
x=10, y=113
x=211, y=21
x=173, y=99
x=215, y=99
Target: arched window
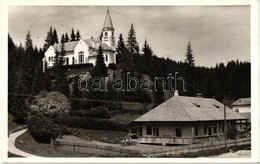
x=81, y=57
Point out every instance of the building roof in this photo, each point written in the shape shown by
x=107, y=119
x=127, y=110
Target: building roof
x=181, y=108
x=108, y=22
x=92, y=43
x=242, y=101
x=69, y=46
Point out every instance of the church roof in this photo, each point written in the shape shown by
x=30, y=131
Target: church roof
x=108, y=22
x=92, y=43
x=181, y=108
x=69, y=46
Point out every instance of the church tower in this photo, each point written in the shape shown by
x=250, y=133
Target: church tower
x=108, y=31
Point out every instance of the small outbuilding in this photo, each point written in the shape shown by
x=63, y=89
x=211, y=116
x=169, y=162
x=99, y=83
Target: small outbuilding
x=184, y=120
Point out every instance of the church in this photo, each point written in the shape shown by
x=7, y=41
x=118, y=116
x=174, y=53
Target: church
x=84, y=51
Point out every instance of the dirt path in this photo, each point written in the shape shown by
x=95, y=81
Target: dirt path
x=13, y=149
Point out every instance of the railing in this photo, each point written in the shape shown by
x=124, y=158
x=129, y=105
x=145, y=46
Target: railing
x=177, y=140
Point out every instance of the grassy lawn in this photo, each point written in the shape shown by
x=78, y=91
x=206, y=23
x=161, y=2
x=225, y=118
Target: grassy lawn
x=113, y=137
x=46, y=150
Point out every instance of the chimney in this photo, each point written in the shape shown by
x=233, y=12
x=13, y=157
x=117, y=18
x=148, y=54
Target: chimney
x=176, y=93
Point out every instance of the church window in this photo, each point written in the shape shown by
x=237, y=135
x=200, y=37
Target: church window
x=81, y=57
x=106, y=58
x=51, y=58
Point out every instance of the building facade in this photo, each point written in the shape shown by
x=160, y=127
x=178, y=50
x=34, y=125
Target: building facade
x=184, y=120
x=85, y=50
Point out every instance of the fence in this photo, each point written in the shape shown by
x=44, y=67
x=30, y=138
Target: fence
x=136, y=151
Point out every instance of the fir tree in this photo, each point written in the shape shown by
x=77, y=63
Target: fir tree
x=48, y=40
x=54, y=37
x=78, y=36
x=120, y=48
x=146, y=58
x=133, y=48
x=67, y=37
x=190, y=73
x=131, y=43
x=100, y=69
x=72, y=35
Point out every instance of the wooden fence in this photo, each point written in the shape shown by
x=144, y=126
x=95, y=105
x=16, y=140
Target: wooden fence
x=111, y=150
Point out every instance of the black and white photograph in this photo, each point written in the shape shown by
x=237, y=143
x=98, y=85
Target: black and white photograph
x=131, y=81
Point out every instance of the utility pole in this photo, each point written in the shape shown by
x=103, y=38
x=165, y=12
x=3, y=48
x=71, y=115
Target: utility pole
x=225, y=123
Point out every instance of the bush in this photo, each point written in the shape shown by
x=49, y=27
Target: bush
x=90, y=123
x=231, y=132
x=112, y=66
x=42, y=128
x=99, y=112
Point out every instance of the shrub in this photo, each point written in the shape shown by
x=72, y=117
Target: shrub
x=112, y=66
x=42, y=128
x=99, y=112
x=231, y=132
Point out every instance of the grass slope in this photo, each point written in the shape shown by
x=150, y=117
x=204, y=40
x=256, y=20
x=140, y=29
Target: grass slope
x=29, y=145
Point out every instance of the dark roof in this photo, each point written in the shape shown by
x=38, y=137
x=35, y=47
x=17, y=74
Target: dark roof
x=181, y=108
x=242, y=101
x=108, y=22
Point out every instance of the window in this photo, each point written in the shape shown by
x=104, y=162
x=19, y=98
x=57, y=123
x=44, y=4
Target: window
x=196, y=130
x=210, y=131
x=148, y=130
x=205, y=129
x=178, y=132
x=51, y=58
x=67, y=61
x=81, y=57
x=156, y=132
x=215, y=129
x=105, y=33
x=112, y=33
x=106, y=58
x=73, y=60
x=237, y=110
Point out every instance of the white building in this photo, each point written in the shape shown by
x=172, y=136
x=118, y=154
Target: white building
x=85, y=50
x=242, y=105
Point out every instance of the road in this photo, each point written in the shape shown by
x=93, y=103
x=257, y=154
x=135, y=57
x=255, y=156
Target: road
x=13, y=149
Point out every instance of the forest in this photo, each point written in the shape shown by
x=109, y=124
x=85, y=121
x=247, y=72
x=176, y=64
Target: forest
x=26, y=78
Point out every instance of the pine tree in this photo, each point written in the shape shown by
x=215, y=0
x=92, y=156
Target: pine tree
x=72, y=35
x=131, y=43
x=67, y=37
x=189, y=56
x=190, y=73
x=120, y=48
x=48, y=40
x=147, y=58
x=133, y=48
x=100, y=69
x=54, y=37
x=78, y=36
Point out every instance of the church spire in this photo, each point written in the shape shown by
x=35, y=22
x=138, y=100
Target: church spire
x=108, y=25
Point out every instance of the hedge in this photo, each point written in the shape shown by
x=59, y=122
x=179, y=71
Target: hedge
x=99, y=112
x=90, y=123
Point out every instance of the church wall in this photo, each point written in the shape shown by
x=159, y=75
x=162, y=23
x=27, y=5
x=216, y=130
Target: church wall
x=81, y=46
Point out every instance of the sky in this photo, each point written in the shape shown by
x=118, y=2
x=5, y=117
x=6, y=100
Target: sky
x=217, y=33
